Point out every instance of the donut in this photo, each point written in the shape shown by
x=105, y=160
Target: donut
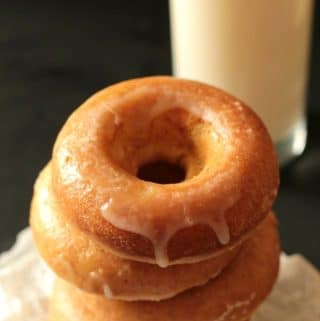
x=88, y=264
x=164, y=171
x=233, y=296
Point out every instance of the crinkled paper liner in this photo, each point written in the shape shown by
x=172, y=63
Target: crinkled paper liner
x=26, y=282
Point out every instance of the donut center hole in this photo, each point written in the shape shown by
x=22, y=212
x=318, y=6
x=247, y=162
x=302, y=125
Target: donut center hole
x=169, y=147
x=162, y=172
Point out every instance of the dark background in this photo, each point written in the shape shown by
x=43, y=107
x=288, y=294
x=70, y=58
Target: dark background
x=54, y=55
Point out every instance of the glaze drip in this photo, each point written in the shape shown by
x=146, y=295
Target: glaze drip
x=148, y=229
x=236, y=308
x=220, y=227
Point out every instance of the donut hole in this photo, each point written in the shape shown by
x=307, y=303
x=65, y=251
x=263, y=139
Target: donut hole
x=167, y=148
x=162, y=172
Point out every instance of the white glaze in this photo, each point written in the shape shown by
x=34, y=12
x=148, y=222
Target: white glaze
x=160, y=242
x=168, y=100
x=107, y=291
x=95, y=277
x=171, y=100
x=144, y=227
x=238, y=305
x=113, y=295
x=221, y=229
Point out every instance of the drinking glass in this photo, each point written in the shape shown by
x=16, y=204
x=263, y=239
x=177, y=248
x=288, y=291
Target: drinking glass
x=255, y=50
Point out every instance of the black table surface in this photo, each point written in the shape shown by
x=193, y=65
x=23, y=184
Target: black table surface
x=54, y=55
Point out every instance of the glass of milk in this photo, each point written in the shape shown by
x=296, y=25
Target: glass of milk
x=257, y=50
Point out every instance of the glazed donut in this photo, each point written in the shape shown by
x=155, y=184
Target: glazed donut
x=233, y=296
x=106, y=155
x=86, y=263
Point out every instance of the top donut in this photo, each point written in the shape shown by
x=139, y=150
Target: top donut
x=164, y=170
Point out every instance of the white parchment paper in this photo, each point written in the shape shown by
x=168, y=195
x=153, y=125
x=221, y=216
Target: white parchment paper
x=26, y=282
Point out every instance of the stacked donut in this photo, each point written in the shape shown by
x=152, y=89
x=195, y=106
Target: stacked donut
x=156, y=206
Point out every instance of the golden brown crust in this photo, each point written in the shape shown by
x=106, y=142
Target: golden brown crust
x=91, y=266
x=87, y=171
x=233, y=296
